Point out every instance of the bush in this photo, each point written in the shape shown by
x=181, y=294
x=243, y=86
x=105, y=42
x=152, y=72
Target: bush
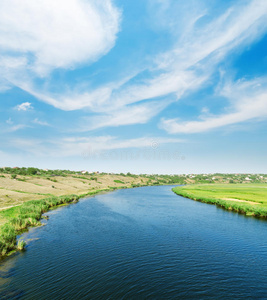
x=32, y=171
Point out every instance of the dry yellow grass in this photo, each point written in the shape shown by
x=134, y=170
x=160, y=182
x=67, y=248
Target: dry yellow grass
x=15, y=192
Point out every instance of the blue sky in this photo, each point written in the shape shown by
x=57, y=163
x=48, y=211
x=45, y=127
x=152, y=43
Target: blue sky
x=146, y=86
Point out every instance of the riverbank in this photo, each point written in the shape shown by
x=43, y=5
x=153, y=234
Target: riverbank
x=24, y=198
x=247, y=199
x=29, y=214
x=133, y=243
x=15, y=189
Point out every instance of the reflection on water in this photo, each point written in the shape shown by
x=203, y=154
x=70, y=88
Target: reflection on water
x=144, y=243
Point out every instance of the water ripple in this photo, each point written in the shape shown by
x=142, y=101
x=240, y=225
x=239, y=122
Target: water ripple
x=144, y=243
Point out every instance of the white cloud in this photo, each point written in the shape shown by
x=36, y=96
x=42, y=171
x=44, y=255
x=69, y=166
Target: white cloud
x=78, y=35
x=103, y=143
x=38, y=122
x=16, y=128
x=172, y=82
x=75, y=101
x=46, y=34
x=203, y=33
x=78, y=146
x=199, y=49
x=24, y=106
x=128, y=115
x=9, y=121
x=4, y=85
x=187, y=66
x=12, y=127
x=248, y=101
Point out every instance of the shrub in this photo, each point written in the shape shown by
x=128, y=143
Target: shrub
x=32, y=171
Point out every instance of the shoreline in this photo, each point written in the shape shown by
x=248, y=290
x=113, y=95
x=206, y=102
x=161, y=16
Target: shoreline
x=243, y=207
x=20, y=218
x=28, y=215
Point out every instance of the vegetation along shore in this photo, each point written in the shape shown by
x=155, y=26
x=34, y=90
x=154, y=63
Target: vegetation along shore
x=249, y=199
x=26, y=193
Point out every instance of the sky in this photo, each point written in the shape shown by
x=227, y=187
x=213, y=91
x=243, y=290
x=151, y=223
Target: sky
x=144, y=86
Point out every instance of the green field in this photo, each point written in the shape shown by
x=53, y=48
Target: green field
x=250, y=199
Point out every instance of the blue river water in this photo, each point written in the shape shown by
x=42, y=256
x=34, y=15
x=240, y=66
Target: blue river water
x=142, y=243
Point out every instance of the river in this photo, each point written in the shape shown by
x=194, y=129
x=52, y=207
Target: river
x=142, y=243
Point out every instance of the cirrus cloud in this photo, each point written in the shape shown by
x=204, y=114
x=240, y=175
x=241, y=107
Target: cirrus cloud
x=248, y=101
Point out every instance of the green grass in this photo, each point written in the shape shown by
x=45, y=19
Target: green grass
x=249, y=199
x=31, y=193
x=21, y=245
x=29, y=214
x=81, y=177
x=23, y=216
x=118, y=181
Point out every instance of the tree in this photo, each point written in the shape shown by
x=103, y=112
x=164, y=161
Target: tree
x=32, y=171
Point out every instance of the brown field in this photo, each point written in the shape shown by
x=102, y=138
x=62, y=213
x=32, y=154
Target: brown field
x=14, y=192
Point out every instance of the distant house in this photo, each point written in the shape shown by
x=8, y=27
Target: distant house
x=45, y=170
x=83, y=172
x=247, y=178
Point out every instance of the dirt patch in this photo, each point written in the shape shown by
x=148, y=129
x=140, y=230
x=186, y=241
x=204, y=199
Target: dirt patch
x=239, y=200
x=3, y=208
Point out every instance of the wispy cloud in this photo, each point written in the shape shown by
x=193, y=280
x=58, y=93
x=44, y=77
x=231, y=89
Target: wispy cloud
x=111, y=143
x=38, y=122
x=16, y=127
x=248, y=100
x=186, y=67
x=85, y=31
x=128, y=115
x=9, y=121
x=78, y=146
x=24, y=106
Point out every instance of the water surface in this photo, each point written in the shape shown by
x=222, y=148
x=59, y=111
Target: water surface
x=143, y=243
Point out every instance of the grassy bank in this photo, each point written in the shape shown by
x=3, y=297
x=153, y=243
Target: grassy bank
x=249, y=199
x=29, y=214
x=15, y=189
x=26, y=193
